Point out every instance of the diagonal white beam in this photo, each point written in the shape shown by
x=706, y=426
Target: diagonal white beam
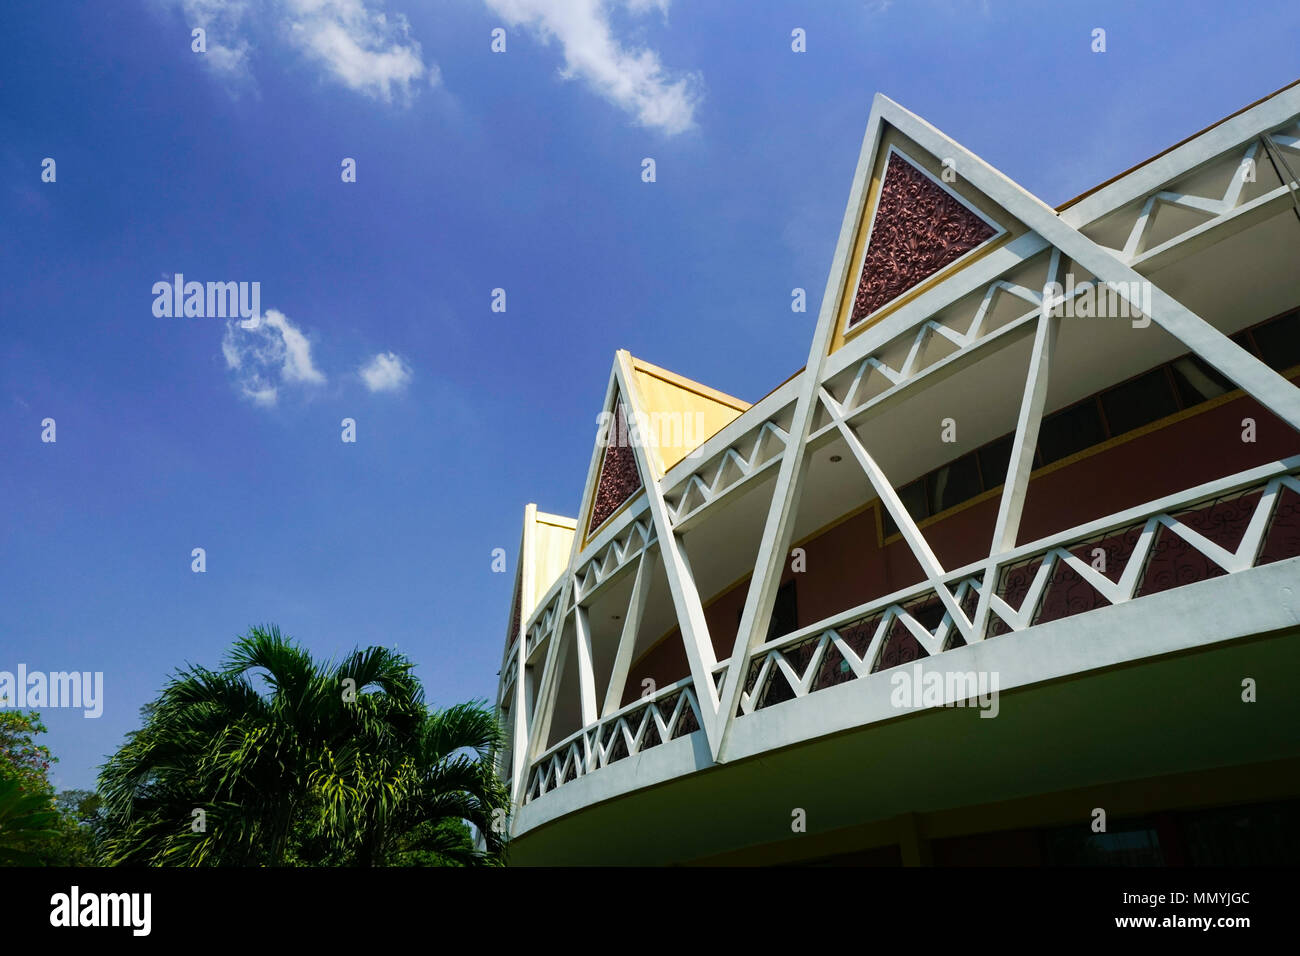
x=681, y=583
x=1266, y=386
x=557, y=657
x=586, y=674
x=547, y=683
x=1253, y=376
x=1016, y=486
x=632, y=618
x=1233, y=132
x=519, y=705
x=920, y=548
x=763, y=584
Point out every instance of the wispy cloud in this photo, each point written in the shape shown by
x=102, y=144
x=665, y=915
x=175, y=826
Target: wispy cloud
x=356, y=42
x=264, y=359
x=360, y=45
x=222, y=22
x=385, y=372
x=633, y=79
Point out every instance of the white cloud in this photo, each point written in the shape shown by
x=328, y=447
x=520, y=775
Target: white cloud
x=226, y=48
x=263, y=359
x=385, y=372
x=634, y=80
x=265, y=396
x=362, y=47
x=355, y=41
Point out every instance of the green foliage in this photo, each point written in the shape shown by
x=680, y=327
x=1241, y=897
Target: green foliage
x=36, y=828
x=27, y=820
x=75, y=842
x=312, y=764
x=21, y=758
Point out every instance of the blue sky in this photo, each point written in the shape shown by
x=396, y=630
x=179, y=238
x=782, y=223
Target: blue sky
x=475, y=170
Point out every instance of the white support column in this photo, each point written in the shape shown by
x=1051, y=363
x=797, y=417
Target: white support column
x=586, y=675
x=1263, y=384
x=631, y=626
x=681, y=583
x=547, y=684
x=1016, y=485
x=1025, y=442
x=557, y=656
x=519, y=739
x=520, y=702
x=766, y=579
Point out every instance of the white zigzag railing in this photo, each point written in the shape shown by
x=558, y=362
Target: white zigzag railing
x=855, y=402
x=1134, y=252
x=614, y=556
x=1135, y=245
x=859, y=635
x=853, y=644
x=543, y=621
x=873, y=628
x=636, y=728
x=726, y=471
x=962, y=340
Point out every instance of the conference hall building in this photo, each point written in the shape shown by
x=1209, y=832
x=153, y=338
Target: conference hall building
x=1007, y=573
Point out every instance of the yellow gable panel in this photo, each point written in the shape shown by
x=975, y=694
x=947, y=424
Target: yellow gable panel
x=552, y=539
x=678, y=415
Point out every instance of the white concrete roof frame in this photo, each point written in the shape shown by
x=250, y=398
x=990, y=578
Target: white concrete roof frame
x=786, y=418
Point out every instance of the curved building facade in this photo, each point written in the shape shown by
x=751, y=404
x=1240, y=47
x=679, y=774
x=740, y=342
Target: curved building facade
x=1009, y=572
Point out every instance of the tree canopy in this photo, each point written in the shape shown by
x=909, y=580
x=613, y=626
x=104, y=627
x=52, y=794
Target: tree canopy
x=275, y=759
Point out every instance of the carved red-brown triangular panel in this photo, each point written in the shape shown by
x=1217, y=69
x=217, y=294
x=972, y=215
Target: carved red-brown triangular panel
x=919, y=228
x=619, y=476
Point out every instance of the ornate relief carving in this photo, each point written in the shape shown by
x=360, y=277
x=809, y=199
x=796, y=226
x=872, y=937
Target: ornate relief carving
x=619, y=477
x=918, y=229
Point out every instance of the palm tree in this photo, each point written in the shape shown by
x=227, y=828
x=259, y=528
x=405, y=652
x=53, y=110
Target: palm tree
x=27, y=820
x=328, y=763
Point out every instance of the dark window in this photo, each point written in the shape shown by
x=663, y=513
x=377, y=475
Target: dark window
x=1259, y=835
x=1138, y=402
x=1242, y=338
x=1125, y=844
x=1070, y=430
x=995, y=458
x=928, y=613
x=1196, y=381
x=1279, y=341
x=1184, y=383
x=785, y=612
x=914, y=500
x=953, y=483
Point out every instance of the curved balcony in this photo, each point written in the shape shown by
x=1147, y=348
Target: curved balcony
x=975, y=492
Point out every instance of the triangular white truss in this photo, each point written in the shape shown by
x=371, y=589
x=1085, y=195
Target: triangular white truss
x=934, y=332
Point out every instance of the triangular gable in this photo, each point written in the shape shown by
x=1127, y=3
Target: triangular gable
x=669, y=415
x=1030, y=226
x=620, y=478
x=543, y=555
x=921, y=222
x=918, y=228
x=678, y=415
